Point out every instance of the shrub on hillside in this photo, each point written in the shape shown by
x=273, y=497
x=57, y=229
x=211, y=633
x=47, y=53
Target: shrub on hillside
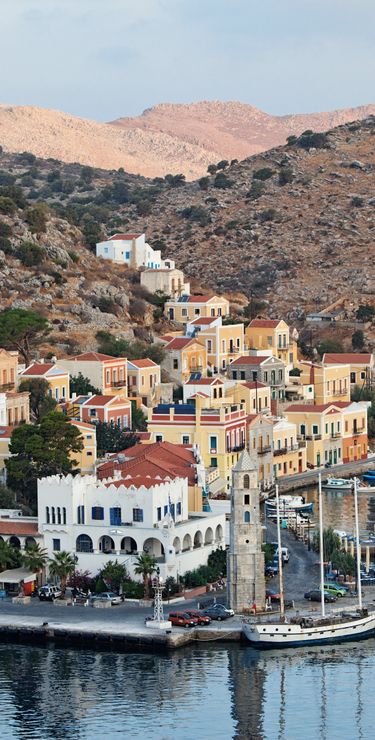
x=7, y=206
x=310, y=139
x=257, y=189
x=263, y=174
x=222, y=181
x=286, y=175
x=31, y=254
x=197, y=213
x=37, y=218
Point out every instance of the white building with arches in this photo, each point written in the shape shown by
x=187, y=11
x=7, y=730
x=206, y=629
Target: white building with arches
x=100, y=520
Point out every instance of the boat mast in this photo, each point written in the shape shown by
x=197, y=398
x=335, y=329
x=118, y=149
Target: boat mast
x=357, y=544
x=280, y=552
x=321, y=548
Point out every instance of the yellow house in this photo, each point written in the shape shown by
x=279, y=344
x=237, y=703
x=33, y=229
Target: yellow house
x=143, y=379
x=274, y=336
x=321, y=427
x=56, y=377
x=17, y=407
x=170, y=282
x=188, y=308
x=219, y=432
x=289, y=454
x=8, y=370
x=331, y=382
x=223, y=343
x=184, y=356
x=86, y=459
x=361, y=365
x=255, y=396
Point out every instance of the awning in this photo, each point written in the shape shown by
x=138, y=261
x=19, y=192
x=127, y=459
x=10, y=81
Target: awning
x=17, y=575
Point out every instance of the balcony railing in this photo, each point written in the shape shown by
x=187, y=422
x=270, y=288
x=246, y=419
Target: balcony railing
x=7, y=387
x=335, y=435
x=264, y=450
x=281, y=451
x=359, y=430
x=238, y=448
x=311, y=437
x=118, y=384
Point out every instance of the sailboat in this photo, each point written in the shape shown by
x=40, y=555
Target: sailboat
x=305, y=630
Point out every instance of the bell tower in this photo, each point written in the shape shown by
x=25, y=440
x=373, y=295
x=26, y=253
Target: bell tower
x=245, y=561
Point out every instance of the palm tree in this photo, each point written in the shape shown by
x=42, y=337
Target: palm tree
x=146, y=565
x=10, y=557
x=62, y=565
x=35, y=558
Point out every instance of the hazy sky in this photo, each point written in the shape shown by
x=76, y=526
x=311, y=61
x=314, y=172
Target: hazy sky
x=105, y=58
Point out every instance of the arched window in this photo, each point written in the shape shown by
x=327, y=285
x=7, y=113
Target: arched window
x=84, y=543
x=246, y=517
x=47, y=514
x=64, y=515
x=53, y=515
x=58, y=515
x=246, y=481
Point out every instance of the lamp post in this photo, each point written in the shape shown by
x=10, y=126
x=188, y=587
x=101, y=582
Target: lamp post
x=157, y=585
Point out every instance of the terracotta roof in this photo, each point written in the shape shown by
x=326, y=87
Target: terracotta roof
x=18, y=528
x=123, y=237
x=39, y=368
x=319, y=407
x=143, y=363
x=138, y=480
x=159, y=458
x=205, y=320
x=180, y=343
x=345, y=358
x=94, y=357
x=82, y=424
x=200, y=298
x=253, y=385
x=205, y=381
x=99, y=400
x=166, y=337
x=249, y=360
x=265, y=323
x=199, y=395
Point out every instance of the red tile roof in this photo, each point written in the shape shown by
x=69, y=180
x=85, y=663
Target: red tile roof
x=18, y=528
x=143, y=363
x=6, y=432
x=205, y=320
x=180, y=343
x=123, y=237
x=249, y=360
x=95, y=357
x=39, y=368
x=205, y=381
x=345, y=358
x=139, y=480
x=265, y=323
x=319, y=407
x=83, y=424
x=200, y=298
x=253, y=385
x=159, y=458
x=98, y=400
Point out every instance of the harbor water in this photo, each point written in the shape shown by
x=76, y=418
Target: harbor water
x=338, y=508
x=215, y=691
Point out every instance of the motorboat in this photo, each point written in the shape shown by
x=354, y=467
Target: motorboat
x=288, y=505
x=369, y=478
x=338, y=484
x=308, y=630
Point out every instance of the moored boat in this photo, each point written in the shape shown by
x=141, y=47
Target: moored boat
x=311, y=631
x=338, y=484
x=288, y=505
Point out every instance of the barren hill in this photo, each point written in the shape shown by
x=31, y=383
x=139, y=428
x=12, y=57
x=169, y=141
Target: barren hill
x=164, y=139
x=234, y=130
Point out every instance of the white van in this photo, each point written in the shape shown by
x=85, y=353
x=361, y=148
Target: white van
x=284, y=554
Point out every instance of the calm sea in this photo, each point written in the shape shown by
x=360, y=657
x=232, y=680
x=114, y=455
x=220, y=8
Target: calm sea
x=216, y=692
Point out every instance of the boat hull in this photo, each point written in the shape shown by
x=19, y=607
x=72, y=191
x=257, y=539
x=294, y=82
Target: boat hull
x=271, y=637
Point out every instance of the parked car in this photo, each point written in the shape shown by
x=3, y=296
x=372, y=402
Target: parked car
x=218, y=611
x=197, y=614
x=182, y=619
x=272, y=595
x=107, y=596
x=335, y=589
x=49, y=592
x=314, y=595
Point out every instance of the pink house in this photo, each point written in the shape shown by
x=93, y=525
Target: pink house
x=110, y=409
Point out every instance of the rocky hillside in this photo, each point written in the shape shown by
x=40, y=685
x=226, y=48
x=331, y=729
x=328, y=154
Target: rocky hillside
x=164, y=139
x=294, y=225
x=234, y=130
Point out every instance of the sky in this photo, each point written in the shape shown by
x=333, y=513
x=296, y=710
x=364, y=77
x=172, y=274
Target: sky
x=103, y=59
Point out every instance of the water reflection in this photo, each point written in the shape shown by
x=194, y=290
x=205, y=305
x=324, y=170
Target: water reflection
x=339, y=509
x=211, y=692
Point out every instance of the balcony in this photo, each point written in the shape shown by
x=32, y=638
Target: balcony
x=119, y=384
x=358, y=430
x=335, y=435
x=281, y=451
x=239, y=448
x=264, y=450
x=7, y=387
x=313, y=437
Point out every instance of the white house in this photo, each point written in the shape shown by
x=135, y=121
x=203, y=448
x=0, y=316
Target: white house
x=122, y=517
x=132, y=250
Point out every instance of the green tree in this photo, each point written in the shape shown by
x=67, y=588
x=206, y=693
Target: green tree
x=331, y=543
x=82, y=386
x=365, y=313
x=62, y=565
x=41, y=450
x=110, y=345
x=41, y=403
x=114, y=574
x=10, y=557
x=286, y=175
x=145, y=567
x=263, y=174
x=222, y=181
x=7, y=205
x=7, y=498
x=343, y=562
x=35, y=558
x=31, y=254
x=330, y=345
x=204, y=183
x=212, y=169
x=139, y=421
x=37, y=218
x=358, y=339
x=110, y=438
x=23, y=330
